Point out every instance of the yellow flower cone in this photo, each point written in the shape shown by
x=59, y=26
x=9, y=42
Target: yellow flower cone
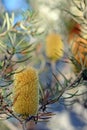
x=26, y=92
x=54, y=47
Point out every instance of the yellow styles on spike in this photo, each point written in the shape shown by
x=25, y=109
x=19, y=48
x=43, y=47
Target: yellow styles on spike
x=26, y=92
x=54, y=47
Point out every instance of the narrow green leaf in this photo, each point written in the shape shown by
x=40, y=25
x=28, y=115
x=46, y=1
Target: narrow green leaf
x=7, y=20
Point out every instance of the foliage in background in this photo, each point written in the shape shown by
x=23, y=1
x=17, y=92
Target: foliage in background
x=16, y=50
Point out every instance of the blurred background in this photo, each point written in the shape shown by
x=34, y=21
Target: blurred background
x=52, y=21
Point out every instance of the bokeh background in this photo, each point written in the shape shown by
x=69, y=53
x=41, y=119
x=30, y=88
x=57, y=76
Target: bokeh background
x=52, y=20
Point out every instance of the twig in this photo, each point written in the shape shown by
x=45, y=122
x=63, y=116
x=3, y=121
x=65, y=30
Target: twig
x=24, y=126
x=62, y=91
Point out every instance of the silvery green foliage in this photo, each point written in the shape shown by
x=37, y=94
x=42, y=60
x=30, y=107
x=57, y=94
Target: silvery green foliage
x=53, y=17
x=49, y=16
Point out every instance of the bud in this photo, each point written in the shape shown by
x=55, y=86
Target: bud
x=54, y=47
x=26, y=92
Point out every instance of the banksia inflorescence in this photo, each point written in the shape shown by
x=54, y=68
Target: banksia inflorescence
x=78, y=35
x=26, y=96
x=26, y=92
x=79, y=50
x=54, y=47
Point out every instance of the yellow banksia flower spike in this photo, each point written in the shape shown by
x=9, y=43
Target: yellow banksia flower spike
x=26, y=92
x=54, y=47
